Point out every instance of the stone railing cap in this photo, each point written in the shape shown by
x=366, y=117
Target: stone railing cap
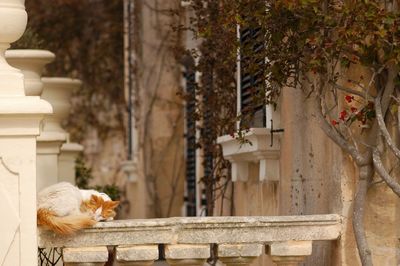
x=202, y=230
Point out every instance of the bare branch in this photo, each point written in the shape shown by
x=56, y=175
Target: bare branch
x=366, y=174
x=380, y=169
x=381, y=106
x=382, y=127
x=366, y=96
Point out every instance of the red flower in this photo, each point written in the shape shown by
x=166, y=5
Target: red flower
x=353, y=109
x=342, y=115
x=334, y=122
x=349, y=98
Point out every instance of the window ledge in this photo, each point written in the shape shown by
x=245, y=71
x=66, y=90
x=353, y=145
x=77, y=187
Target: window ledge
x=258, y=148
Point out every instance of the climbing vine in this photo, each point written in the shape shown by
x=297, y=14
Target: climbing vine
x=87, y=38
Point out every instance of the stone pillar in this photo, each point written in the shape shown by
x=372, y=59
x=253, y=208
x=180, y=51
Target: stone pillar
x=58, y=92
x=289, y=253
x=20, y=117
x=66, y=161
x=87, y=256
x=138, y=255
x=239, y=254
x=193, y=255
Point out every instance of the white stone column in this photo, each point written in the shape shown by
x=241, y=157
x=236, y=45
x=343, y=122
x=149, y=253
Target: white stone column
x=58, y=92
x=20, y=117
x=136, y=255
x=66, y=161
x=193, y=255
x=239, y=254
x=85, y=256
x=289, y=253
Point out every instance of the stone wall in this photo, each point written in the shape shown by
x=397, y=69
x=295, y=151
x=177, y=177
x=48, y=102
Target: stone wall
x=159, y=114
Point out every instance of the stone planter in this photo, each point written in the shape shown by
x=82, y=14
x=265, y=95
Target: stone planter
x=31, y=63
x=58, y=91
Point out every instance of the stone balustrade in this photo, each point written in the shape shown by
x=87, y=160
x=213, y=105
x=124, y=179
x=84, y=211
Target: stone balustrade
x=188, y=241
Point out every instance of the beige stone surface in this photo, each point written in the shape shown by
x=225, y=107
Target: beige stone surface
x=85, y=255
x=240, y=250
x=182, y=251
x=290, y=248
x=137, y=253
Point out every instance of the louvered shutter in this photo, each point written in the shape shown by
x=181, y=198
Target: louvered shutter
x=251, y=83
x=190, y=80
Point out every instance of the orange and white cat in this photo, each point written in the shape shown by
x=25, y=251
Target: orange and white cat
x=65, y=209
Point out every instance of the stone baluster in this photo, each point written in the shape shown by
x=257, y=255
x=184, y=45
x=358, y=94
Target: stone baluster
x=55, y=90
x=136, y=255
x=289, y=253
x=193, y=255
x=85, y=256
x=20, y=117
x=239, y=254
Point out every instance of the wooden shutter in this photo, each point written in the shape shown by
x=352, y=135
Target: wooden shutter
x=190, y=80
x=252, y=83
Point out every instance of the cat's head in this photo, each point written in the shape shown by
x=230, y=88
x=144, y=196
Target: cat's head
x=103, y=210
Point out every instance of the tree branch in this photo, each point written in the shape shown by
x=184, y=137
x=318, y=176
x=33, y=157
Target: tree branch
x=382, y=125
x=364, y=251
x=366, y=96
x=384, y=174
x=336, y=137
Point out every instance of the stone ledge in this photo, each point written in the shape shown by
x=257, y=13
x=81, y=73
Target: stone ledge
x=258, y=150
x=204, y=230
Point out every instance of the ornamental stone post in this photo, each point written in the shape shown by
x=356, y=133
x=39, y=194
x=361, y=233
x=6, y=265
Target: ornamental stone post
x=239, y=254
x=58, y=92
x=136, y=255
x=289, y=253
x=20, y=117
x=193, y=255
x=66, y=161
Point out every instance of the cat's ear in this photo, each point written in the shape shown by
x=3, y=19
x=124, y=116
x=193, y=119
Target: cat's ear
x=113, y=204
x=95, y=200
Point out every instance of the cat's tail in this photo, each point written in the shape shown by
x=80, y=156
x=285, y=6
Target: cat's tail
x=65, y=225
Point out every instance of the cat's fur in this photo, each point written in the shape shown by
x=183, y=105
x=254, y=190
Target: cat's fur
x=65, y=209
